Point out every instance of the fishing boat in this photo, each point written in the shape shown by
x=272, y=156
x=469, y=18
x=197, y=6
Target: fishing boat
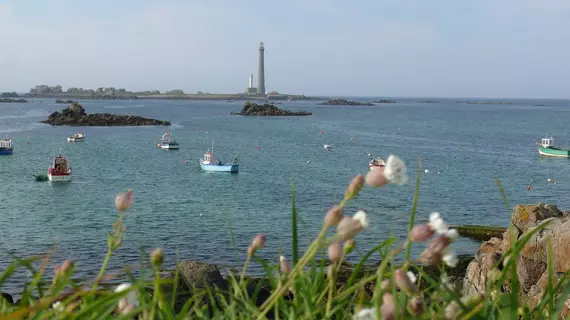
x=60, y=171
x=376, y=163
x=167, y=142
x=78, y=137
x=327, y=147
x=210, y=163
x=546, y=148
x=6, y=147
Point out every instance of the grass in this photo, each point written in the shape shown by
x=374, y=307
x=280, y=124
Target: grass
x=312, y=287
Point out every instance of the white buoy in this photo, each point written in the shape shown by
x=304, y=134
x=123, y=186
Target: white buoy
x=438, y=172
x=308, y=161
x=426, y=171
x=201, y=214
x=549, y=180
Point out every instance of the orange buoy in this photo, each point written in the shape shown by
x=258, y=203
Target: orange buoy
x=323, y=131
x=186, y=161
x=258, y=148
x=528, y=188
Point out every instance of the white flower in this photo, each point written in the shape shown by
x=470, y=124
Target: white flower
x=132, y=297
x=365, y=314
x=452, y=235
x=360, y=216
x=58, y=306
x=412, y=277
x=450, y=257
x=445, y=283
x=395, y=170
x=437, y=224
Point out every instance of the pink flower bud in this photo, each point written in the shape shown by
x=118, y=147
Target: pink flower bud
x=388, y=309
x=403, y=282
x=421, y=233
x=124, y=200
x=334, y=215
x=354, y=187
x=348, y=228
x=66, y=266
x=257, y=243
x=416, y=306
x=284, y=265
x=335, y=252
x=349, y=245
x=438, y=244
x=376, y=178
x=429, y=258
x=386, y=284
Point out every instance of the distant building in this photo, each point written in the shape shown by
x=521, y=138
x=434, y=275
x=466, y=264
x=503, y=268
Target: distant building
x=250, y=85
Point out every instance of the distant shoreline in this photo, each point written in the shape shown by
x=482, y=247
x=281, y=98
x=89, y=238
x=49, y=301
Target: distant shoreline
x=172, y=97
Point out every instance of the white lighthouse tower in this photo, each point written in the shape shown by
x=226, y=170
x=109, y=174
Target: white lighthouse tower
x=250, y=85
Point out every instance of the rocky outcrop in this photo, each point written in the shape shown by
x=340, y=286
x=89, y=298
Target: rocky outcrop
x=75, y=115
x=480, y=233
x=344, y=102
x=532, y=261
x=267, y=109
x=384, y=101
x=64, y=101
x=8, y=100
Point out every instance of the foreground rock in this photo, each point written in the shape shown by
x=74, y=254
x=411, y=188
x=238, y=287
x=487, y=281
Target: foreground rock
x=532, y=261
x=343, y=102
x=75, y=115
x=267, y=109
x=8, y=100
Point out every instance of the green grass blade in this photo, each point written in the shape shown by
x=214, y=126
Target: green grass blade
x=414, y=208
x=294, y=235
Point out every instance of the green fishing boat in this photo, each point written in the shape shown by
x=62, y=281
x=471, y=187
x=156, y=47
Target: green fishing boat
x=546, y=148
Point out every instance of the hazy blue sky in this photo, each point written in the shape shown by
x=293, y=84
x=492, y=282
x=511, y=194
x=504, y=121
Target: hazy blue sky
x=479, y=48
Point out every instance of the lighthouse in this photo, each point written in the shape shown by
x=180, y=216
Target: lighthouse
x=250, y=84
x=261, y=72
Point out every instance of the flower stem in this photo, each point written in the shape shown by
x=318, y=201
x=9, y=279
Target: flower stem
x=242, y=276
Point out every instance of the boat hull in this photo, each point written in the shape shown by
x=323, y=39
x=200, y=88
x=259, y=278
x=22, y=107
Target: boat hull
x=75, y=139
x=554, y=152
x=59, y=178
x=220, y=167
x=6, y=151
x=169, y=147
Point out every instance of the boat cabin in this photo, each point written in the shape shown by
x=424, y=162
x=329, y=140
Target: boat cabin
x=547, y=142
x=60, y=165
x=209, y=158
x=6, y=144
x=167, y=137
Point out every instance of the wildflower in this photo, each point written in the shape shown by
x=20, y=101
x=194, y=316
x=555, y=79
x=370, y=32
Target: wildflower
x=334, y=252
x=421, y=233
x=349, y=227
x=395, y=170
x=453, y=309
x=446, y=283
x=388, y=308
x=416, y=306
x=354, y=187
x=376, y=178
x=58, y=306
x=404, y=282
x=157, y=256
x=334, y=215
x=257, y=243
x=284, y=265
x=438, y=245
x=365, y=314
x=450, y=257
x=385, y=284
x=412, y=276
x=124, y=200
x=439, y=226
x=349, y=245
x=131, y=297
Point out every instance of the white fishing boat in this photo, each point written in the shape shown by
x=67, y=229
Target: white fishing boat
x=6, y=147
x=327, y=147
x=60, y=171
x=168, y=142
x=78, y=137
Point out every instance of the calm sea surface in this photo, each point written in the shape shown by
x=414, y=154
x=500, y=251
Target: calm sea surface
x=188, y=212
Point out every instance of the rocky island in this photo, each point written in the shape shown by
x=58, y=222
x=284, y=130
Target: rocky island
x=267, y=109
x=8, y=100
x=343, y=102
x=64, y=101
x=75, y=115
x=384, y=101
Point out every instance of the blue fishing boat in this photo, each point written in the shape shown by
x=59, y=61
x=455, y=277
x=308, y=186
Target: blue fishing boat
x=210, y=163
x=6, y=147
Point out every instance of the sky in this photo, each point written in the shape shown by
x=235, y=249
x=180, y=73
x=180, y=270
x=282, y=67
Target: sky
x=390, y=48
